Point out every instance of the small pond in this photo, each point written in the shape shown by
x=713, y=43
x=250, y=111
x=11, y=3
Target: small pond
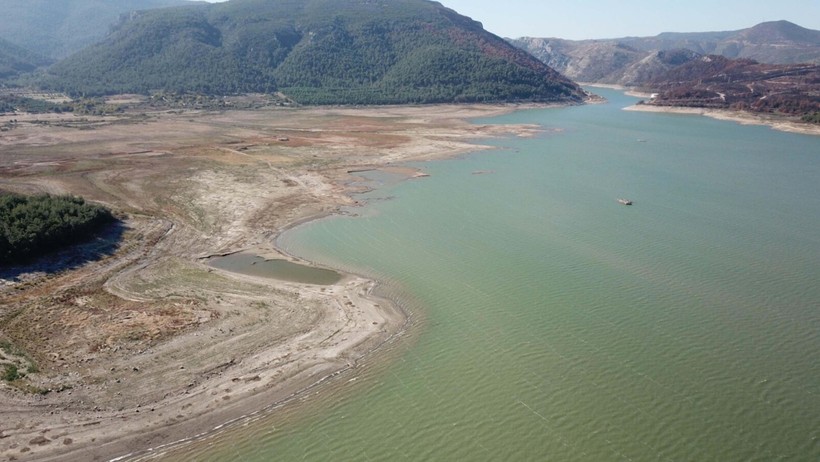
x=254, y=265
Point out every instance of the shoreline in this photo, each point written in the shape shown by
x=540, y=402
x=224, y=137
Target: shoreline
x=405, y=317
x=742, y=118
x=205, y=388
x=120, y=436
x=150, y=453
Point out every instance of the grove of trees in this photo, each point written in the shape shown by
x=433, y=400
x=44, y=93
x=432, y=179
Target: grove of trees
x=31, y=226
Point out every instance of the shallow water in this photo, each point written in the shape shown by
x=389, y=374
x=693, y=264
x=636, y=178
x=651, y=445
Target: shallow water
x=254, y=265
x=560, y=325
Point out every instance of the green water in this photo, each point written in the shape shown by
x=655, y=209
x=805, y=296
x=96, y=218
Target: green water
x=254, y=265
x=555, y=324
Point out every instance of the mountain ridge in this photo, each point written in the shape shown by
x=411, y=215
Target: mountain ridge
x=15, y=60
x=55, y=29
x=315, y=51
x=774, y=42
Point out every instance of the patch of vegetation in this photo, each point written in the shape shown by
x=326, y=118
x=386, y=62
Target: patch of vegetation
x=10, y=374
x=812, y=118
x=200, y=101
x=10, y=349
x=17, y=365
x=35, y=225
x=10, y=103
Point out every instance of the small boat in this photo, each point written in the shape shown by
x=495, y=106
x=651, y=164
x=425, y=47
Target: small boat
x=624, y=201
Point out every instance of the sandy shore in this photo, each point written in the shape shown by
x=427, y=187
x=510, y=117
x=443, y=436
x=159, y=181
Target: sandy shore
x=743, y=118
x=146, y=345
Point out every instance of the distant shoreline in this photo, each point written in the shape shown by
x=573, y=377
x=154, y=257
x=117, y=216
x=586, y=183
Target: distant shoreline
x=743, y=118
x=628, y=91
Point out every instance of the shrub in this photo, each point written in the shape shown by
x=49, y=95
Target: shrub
x=11, y=373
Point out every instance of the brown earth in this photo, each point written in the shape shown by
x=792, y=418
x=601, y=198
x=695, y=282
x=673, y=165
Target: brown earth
x=131, y=341
x=743, y=85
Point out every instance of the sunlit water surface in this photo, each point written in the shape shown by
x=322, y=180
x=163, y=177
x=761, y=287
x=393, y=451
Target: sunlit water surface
x=553, y=323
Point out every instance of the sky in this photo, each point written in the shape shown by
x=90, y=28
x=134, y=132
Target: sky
x=590, y=19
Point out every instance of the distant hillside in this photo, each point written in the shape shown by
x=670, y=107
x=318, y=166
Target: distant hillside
x=607, y=62
x=776, y=42
x=741, y=84
x=316, y=52
x=57, y=28
x=655, y=65
x=15, y=60
x=636, y=60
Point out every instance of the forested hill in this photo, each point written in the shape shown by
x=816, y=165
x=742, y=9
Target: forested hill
x=57, y=28
x=314, y=51
x=15, y=60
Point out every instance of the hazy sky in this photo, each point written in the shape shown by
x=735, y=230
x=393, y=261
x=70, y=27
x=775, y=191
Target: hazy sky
x=582, y=19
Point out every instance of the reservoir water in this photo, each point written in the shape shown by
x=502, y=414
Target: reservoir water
x=552, y=323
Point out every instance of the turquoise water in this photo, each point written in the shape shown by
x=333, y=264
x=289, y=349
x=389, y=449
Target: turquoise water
x=553, y=323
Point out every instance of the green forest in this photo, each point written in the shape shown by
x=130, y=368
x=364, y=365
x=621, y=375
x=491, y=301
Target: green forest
x=10, y=104
x=812, y=118
x=15, y=60
x=313, y=51
x=31, y=226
